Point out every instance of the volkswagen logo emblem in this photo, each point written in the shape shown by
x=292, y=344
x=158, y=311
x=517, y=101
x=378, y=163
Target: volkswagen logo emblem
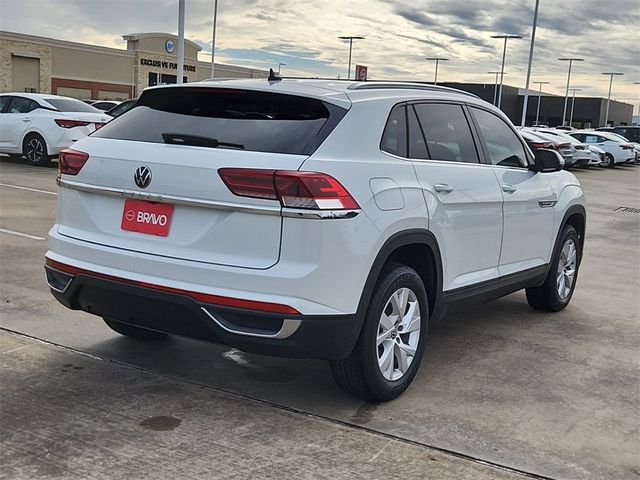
x=142, y=176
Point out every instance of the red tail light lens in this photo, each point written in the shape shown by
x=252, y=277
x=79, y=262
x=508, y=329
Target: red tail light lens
x=246, y=182
x=99, y=125
x=539, y=145
x=70, y=123
x=309, y=190
x=317, y=191
x=70, y=162
x=563, y=146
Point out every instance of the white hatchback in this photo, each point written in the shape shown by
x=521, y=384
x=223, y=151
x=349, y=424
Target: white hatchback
x=39, y=126
x=311, y=218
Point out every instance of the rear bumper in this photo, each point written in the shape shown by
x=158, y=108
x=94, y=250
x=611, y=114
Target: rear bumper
x=155, y=308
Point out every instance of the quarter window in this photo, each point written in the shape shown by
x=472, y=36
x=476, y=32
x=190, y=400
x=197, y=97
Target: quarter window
x=503, y=145
x=447, y=132
x=394, y=138
x=4, y=102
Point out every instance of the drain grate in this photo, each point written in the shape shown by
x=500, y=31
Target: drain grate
x=627, y=210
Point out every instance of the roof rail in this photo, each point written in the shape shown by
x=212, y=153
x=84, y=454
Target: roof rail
x=371, y=85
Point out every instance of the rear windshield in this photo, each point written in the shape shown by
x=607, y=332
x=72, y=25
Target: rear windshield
x=227, y=118
x=71, y=105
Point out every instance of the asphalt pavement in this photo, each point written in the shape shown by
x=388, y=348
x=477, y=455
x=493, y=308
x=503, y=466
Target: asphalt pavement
x=503, y=392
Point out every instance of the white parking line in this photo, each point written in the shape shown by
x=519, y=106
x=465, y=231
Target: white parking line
x=20, y=234
x=27, y=188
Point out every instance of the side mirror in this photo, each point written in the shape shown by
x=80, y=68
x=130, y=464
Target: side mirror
x=547, y=161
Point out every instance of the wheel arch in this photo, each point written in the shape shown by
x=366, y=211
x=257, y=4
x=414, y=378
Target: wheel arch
x=418, y=248
x=576, y=216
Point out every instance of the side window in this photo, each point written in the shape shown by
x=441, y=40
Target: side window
x=21, y=105
x=447, y=132
x=394, y=138
x=4, y=103
x=580, y=137
x=417, y=144
x=503, y=145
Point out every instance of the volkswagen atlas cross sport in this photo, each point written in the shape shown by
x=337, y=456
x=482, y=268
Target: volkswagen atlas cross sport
x=310, y=218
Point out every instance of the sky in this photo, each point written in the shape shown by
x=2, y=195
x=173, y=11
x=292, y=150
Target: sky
x=399, y=35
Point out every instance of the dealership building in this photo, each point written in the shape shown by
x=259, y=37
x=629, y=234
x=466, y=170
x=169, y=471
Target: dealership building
x=30, y=63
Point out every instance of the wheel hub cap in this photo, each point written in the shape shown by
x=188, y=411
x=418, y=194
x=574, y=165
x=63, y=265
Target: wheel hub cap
x=398, y=334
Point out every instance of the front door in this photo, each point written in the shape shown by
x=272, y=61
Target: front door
x=528, y=197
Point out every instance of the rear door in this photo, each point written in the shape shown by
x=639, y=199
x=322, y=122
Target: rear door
x=167, y=152
x=462, y=195
x=528, y=197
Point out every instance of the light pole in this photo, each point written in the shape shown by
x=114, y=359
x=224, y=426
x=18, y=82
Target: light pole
x=539, y=99
x=495, y=85
x=573, y=102
x=437, y=60
x=611, y=75
x=637, y=83
x=533, y=40
x=280, y=65
x=351, y=39
x=180, y=41
x=213, y=37
x=504, y=55
x=566, y=93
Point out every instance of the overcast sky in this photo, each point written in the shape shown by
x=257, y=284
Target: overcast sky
x=399, y=35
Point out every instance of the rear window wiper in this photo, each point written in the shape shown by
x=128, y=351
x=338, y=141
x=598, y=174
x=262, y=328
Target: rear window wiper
x=198, y=141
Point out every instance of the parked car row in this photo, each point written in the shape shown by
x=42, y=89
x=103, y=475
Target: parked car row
x=584, y=148
x=38, y=126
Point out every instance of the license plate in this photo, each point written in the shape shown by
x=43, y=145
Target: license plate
x=146, y=217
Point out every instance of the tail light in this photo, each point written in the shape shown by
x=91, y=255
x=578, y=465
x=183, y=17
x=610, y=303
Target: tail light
x=309, y=190
x=563, y=146
x=99, y=125
x=539, y=145
x=581, y=147
x=627, y=146
x=70, y=162
x=70, y=123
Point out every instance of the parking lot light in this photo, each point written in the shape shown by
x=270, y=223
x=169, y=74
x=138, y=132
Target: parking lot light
x=495, y=85
x=437, y=60
x=566, y=93
x=525, y=104
x=504, y=55
x=573, y=102
x=351, y=39
x=611, y=75
x=539, y=99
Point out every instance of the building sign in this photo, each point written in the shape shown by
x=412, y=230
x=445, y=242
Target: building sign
x=164, y=64
x=169, y=46
x=361, y=72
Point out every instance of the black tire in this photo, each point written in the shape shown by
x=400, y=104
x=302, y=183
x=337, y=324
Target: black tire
x=359, y=374
x=132, y=331
x=547, y=297
x=34, y=149
x=612, y=162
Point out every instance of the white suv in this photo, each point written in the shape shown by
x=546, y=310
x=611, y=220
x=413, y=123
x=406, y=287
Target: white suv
x=310, y=218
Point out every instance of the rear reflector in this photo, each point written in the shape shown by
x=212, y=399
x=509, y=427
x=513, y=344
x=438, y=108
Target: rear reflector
x=200, y=297
x=70, y=162
x=71, y=123
x=308, y=190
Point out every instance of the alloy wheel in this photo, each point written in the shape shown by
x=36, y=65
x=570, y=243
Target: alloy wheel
x=398, y=334
x=565, y=275
x=35, y=150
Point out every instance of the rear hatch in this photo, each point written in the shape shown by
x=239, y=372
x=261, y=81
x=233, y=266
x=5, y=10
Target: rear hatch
x=162, y=159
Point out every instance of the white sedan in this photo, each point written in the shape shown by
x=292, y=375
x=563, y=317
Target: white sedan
x=617, y=151
x=39, y=126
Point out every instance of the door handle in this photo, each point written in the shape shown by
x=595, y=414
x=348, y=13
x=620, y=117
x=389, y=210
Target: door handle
x=442, y=188
x=509, y=188
x=28, y=119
